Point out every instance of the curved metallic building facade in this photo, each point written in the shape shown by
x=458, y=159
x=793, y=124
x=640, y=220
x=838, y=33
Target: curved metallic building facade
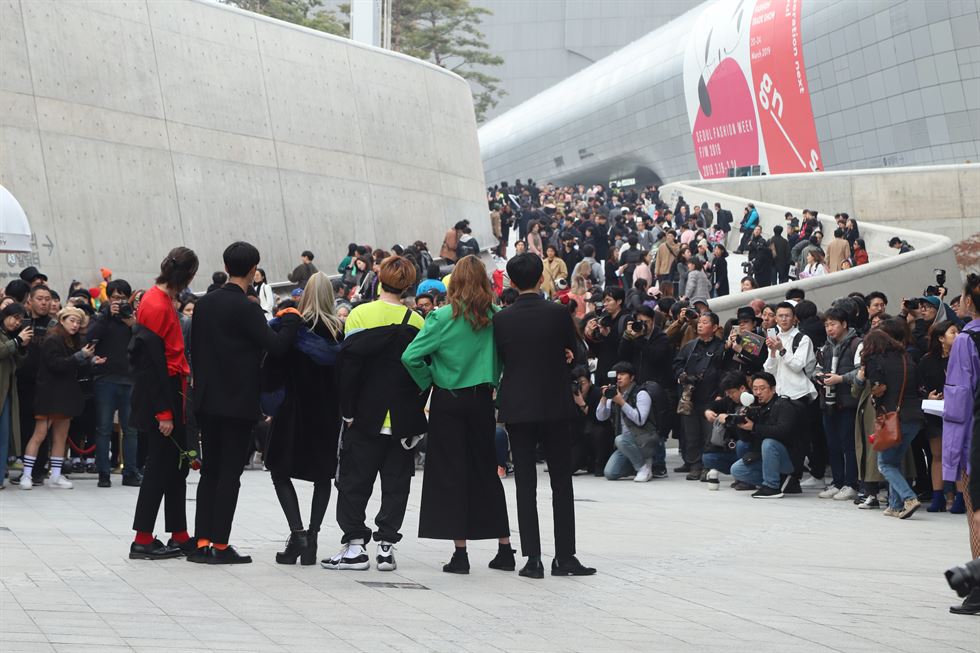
x=129, y=127
x=758, y=86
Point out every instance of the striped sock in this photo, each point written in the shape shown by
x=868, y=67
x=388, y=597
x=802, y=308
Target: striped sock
x=29, y=465
x=56, y=467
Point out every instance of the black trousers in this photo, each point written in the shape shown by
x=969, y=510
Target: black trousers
x=362, y=457
x=697, y=432
x=462, y=497
x=556, y=439
x=286, y=494
x=225, y=446
x=809, y=421
x=164, y=478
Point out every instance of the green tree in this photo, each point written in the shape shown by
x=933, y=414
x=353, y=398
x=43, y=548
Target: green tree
x=446, y=33
x=308, y=13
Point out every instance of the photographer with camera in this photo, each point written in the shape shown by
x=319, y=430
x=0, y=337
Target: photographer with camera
x=636, y=410
x=111, y=332
x=771, y=422
x=593, y=442
x=922, y=313
x=645, y=345
x=728, y=442
x=745, y=348
x=605, y=331
x=697, y=368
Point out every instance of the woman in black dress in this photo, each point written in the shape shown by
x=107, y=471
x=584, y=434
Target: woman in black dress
x=304, y=430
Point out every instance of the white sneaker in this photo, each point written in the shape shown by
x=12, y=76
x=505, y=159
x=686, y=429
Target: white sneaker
x=386, y=557
x=829, y=493
x=846, y=493
x=644, y=475
x=812, y=482
x=713, y=483
x=25, y=482
x=59, y=483
x=351, y=556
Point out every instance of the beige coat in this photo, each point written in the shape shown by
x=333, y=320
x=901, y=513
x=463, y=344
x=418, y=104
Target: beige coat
x=554, y=270
x=838, y=251
x=666, y=255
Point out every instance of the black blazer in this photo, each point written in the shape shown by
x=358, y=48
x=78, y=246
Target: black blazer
x=153, y=390
x=532, y=336
x=229, y=338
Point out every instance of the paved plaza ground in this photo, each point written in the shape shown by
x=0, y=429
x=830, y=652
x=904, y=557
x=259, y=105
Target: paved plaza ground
x=680, y=569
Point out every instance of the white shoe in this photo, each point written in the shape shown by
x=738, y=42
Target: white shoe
x=846, y=493
x=713, y=483
x=813, y=482
x=386, y=557
x=351, y=556
x=829, y=493
x=644, y=475
x=59, y=483
x=25, y=482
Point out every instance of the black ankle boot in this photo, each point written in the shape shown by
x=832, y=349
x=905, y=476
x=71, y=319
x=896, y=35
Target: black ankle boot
x=308, y=557
x=505, y=559
x=459, y=564
x=295, y=546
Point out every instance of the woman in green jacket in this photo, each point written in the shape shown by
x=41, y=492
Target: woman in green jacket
x=455, y=354
x=13, y=351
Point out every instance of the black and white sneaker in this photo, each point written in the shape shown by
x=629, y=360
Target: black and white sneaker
x=352, y=556
x=386, y=557
x=766, y=492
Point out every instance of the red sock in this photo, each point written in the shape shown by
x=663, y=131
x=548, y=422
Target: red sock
x=220, y=547
x=143, y=538
x=180, y=536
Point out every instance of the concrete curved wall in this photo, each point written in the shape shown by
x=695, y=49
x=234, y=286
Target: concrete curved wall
x=891, y=83
x=129, y=127
x=896, y=276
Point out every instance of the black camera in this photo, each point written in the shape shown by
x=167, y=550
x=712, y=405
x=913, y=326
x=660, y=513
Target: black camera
x=965, y=579
x=940, y=277
x=690, y=314
x=576, y=387
x=734, y=419
x=610, y=392
x=747, y=267
x=639, y=327
x=125, y=311
x=604, y=319
x=911, y=304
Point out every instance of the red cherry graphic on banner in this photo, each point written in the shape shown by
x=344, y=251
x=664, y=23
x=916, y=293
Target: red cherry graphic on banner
x=729, y=137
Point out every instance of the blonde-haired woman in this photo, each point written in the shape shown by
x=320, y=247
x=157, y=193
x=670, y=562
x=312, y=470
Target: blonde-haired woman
x=303, y=433
x=579, y=289
x=455, y=354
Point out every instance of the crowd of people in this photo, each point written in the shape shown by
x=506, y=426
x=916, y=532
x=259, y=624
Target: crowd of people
x=588, y=348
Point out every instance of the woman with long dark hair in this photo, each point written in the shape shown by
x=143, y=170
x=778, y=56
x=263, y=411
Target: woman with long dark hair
x=13, y=352
x=267, y=300
x=932, y=378
x=891, y=372
x=455, y=354
x=59, y=395
x=304, y=430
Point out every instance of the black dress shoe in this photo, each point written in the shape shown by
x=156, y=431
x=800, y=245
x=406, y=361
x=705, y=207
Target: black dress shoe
x=104, y=480
x=131, y=480
x=504, y=560
x=228, y=556
x=188, y=547
x=458, y=564
x=155, y=550
x=200, y=555
x=970, y=605
x=570, y=567
x=533, y=568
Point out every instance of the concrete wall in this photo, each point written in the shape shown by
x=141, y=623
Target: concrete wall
x=897, y=276
x=942, y=200
x=129, y=127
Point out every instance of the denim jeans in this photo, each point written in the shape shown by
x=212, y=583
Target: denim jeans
x=6, y=424
x=502, y=445
x=890, y=466
x=110, y=397
x=775, y=461
x=839, y=428
x=658, y=460
x=626, y=459
x=723, y=460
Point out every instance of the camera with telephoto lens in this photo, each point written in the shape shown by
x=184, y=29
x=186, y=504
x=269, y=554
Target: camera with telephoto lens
x=964, y=579
x=747, y=267
x=604, y=319
x=125, y=311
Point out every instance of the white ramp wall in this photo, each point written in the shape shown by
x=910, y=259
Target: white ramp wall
x=129, y=127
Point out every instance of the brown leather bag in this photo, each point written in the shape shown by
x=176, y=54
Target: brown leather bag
x=888, y=427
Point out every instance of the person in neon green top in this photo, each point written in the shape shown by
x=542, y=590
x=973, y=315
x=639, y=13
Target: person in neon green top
x=455, y=354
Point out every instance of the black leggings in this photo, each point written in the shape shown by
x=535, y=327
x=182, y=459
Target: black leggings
x=290, y=502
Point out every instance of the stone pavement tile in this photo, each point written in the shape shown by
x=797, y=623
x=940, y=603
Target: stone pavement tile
x=10, y=637
x=30, y=647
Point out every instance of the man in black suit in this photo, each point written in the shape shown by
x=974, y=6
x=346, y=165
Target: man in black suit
x=229, y=337
x=724, y=219
x=535, y=339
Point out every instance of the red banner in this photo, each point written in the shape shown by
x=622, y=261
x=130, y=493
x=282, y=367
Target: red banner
x=781, y=92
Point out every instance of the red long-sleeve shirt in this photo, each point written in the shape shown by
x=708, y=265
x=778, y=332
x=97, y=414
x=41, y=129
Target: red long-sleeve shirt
x=156, y=312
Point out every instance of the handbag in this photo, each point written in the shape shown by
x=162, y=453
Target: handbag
x=888, y=427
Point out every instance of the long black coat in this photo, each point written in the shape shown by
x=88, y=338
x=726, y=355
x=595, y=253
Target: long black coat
x=303, y=434
x=58, y=389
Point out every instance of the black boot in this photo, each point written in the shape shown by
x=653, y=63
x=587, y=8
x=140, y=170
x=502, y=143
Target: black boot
x=970, y=605
x=505, y=559
x=308, y=557
x=295, y=546
x=458, y=564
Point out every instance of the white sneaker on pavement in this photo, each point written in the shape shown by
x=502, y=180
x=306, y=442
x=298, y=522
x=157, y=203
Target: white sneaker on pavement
x=351, y=556
x=25, y=482
x=846, y=493
x=829, y=493
x=386, y=557
x=644, y=475
x=812, y=482
x=59, y=483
